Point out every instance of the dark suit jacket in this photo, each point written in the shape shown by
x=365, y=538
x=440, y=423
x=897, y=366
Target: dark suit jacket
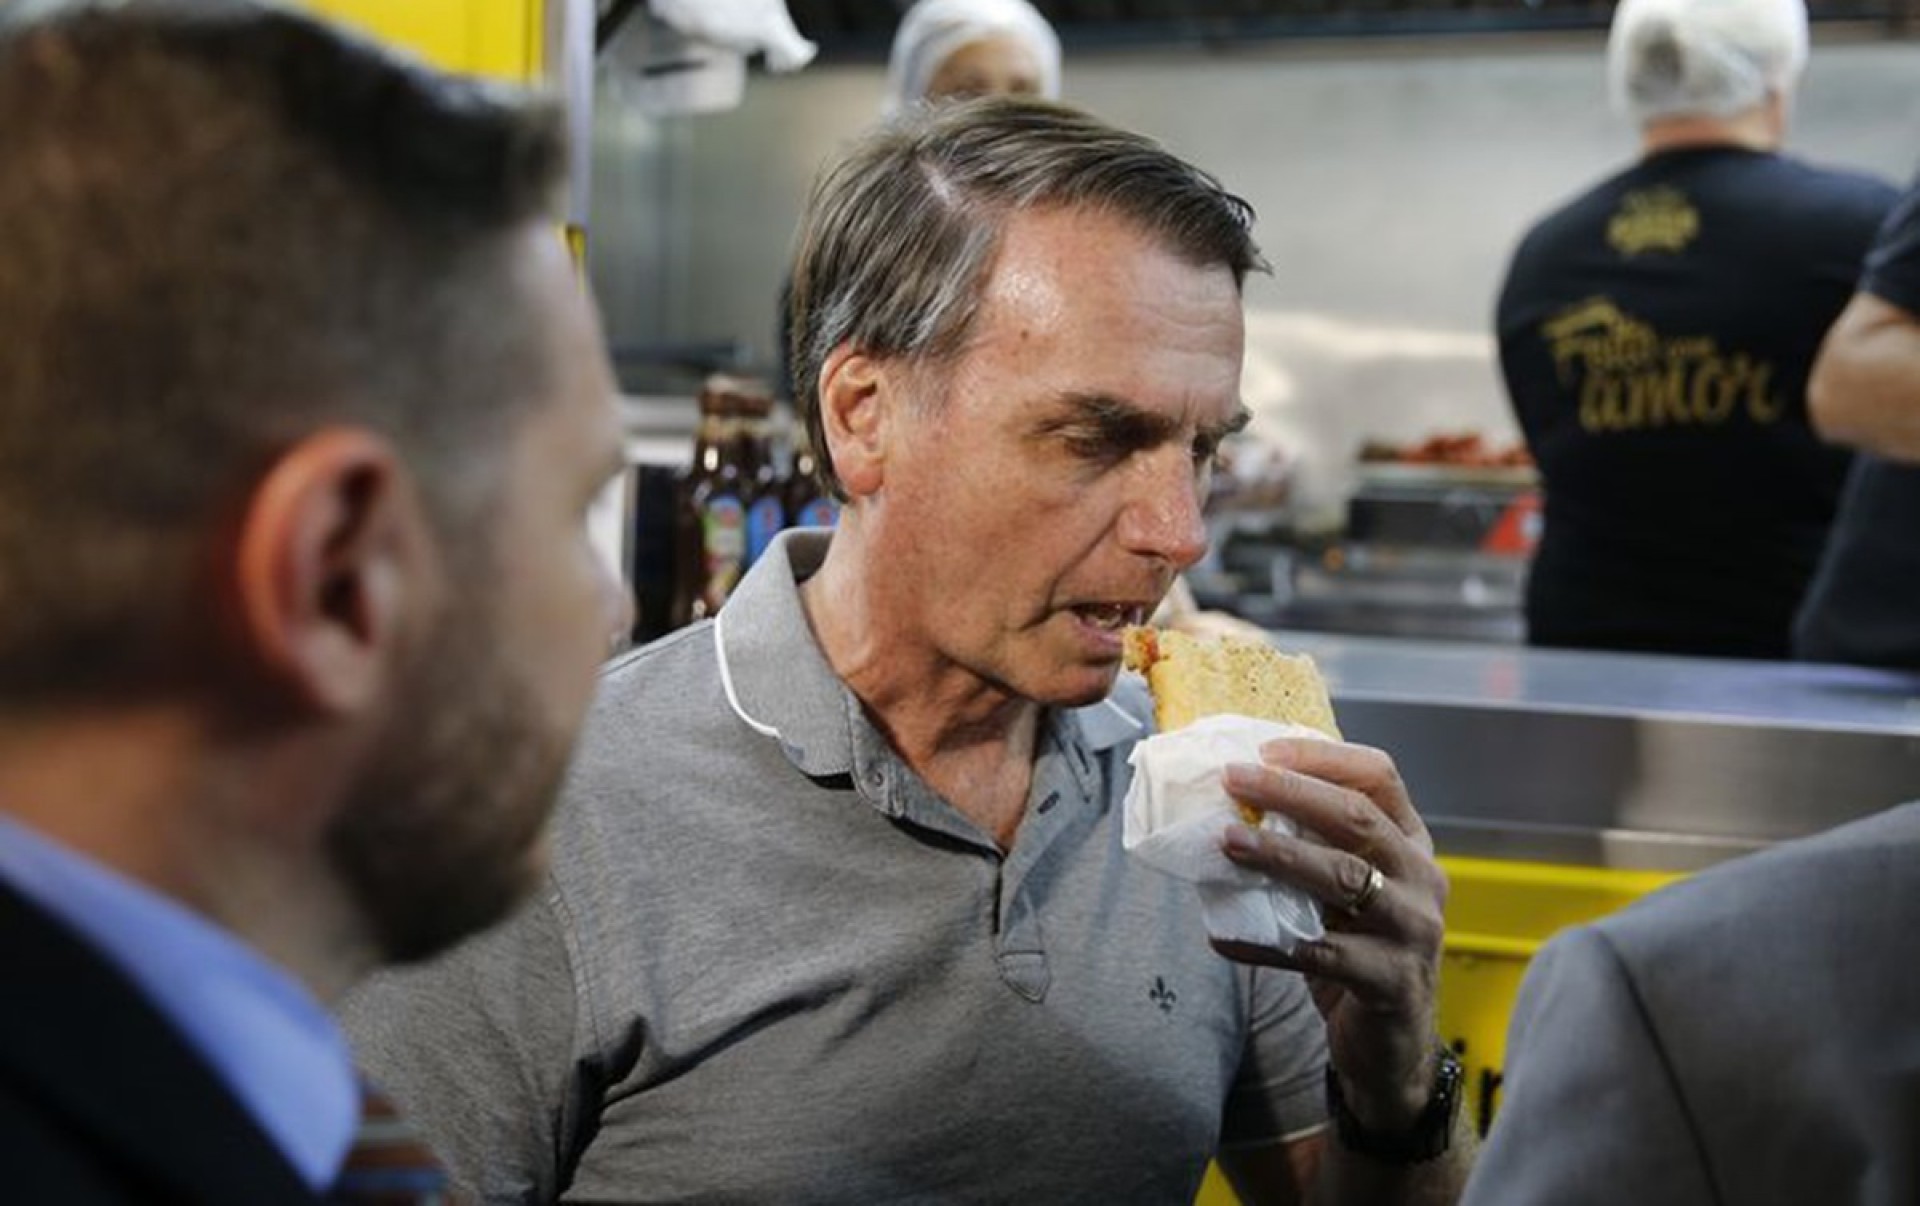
x=1751, y=1036
x=101, y=1100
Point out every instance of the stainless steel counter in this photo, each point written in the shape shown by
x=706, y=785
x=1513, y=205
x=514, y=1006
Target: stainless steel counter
x=1623, y=760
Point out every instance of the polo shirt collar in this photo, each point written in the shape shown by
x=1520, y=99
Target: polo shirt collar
x=776, y=678
x=779, y=684
x=1103, y=725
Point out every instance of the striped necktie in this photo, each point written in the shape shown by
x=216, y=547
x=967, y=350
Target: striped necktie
x=389, y=1163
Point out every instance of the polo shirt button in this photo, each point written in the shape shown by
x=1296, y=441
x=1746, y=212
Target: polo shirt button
x=876, y=778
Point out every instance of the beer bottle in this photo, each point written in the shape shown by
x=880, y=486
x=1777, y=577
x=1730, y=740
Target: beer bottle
x=710, y=526
x=766, y=504
x=809, y=504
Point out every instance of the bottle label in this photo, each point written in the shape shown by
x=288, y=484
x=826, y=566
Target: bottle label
x=723, y=529
x=764, y=520
x=818, y=513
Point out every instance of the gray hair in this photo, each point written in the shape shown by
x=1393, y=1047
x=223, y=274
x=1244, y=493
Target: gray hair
x=1703, y=58
x=899, y=236
x=225, y=226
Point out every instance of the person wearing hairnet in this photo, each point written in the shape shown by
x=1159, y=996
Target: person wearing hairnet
x=1656, y=333
x=952, y=49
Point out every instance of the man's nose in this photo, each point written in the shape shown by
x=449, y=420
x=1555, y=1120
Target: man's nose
x=1163, y=517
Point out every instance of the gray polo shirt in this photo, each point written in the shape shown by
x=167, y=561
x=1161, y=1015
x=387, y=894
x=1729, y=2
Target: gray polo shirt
x=772, y=965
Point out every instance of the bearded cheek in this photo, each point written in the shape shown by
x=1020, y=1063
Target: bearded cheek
x=437, y=842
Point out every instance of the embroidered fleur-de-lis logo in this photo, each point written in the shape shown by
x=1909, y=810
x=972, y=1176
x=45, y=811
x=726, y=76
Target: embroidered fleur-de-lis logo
x=1162, y=995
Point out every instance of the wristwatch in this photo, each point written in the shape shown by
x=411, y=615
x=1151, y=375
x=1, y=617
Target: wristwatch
x=1425, y=1139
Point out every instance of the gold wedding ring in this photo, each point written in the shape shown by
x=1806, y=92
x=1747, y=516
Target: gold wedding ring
x=1368, y=891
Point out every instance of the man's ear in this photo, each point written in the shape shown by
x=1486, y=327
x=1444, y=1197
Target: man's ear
x=857, y=397
x=333, y=551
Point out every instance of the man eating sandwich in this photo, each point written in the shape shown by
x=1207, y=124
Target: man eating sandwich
x=864, y=930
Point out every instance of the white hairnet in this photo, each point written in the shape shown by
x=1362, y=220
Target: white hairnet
x=1715, y=58
x=934, y=29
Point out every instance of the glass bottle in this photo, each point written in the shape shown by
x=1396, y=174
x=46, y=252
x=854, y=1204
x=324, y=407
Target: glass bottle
x=766, y=502
x=809, y=503
x=711, y=524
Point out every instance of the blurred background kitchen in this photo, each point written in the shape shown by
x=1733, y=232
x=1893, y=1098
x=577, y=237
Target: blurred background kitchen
x=1395, y=151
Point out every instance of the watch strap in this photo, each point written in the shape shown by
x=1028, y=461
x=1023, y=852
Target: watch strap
x=1425, y=1139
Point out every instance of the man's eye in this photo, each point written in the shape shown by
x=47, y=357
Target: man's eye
x=1206, y=450
x=1092, y=446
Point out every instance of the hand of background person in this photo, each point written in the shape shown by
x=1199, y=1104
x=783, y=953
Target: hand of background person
x=1374, y=975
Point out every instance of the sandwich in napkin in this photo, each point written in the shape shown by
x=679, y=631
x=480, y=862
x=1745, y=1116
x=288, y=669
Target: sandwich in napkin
x=1217, y=700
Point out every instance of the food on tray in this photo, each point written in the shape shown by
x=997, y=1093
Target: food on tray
x=1466, y=450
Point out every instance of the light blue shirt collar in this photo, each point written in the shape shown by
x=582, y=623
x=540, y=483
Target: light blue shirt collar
x=273, y=1045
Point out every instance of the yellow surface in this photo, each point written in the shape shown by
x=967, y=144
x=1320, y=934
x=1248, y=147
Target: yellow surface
x=1498, y=915
x=498, y=38
x=1214, y=1191
x=501, y=39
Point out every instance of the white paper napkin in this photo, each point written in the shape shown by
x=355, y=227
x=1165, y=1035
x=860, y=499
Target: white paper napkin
x=1176, y=815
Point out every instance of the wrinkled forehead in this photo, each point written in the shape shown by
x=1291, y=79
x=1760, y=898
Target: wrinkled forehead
x=1055, y=263
x=1090, y=304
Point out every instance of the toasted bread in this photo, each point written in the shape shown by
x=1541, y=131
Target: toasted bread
x=1191, y=677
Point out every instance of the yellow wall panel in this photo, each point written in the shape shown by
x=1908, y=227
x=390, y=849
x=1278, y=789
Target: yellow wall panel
x=499, y=38
x=1498, y=915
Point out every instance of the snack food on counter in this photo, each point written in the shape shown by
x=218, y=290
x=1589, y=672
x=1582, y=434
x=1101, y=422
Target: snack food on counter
x=1464, y=450
x=1191, y=677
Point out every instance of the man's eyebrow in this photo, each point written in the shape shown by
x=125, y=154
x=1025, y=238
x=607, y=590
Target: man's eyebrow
x=1233, y=426
x=1116, y=417
x=1126, y=422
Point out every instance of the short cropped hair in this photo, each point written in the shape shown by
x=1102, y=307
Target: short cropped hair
x=1703, y=58
x=224, y=226
x=899, y=237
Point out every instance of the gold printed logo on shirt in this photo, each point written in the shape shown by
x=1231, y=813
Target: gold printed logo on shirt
x=1653, y=219
x=1630, y=377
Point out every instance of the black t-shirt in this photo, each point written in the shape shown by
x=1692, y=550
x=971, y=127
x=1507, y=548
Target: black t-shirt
x=1864, y=606
x=1656, y=335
